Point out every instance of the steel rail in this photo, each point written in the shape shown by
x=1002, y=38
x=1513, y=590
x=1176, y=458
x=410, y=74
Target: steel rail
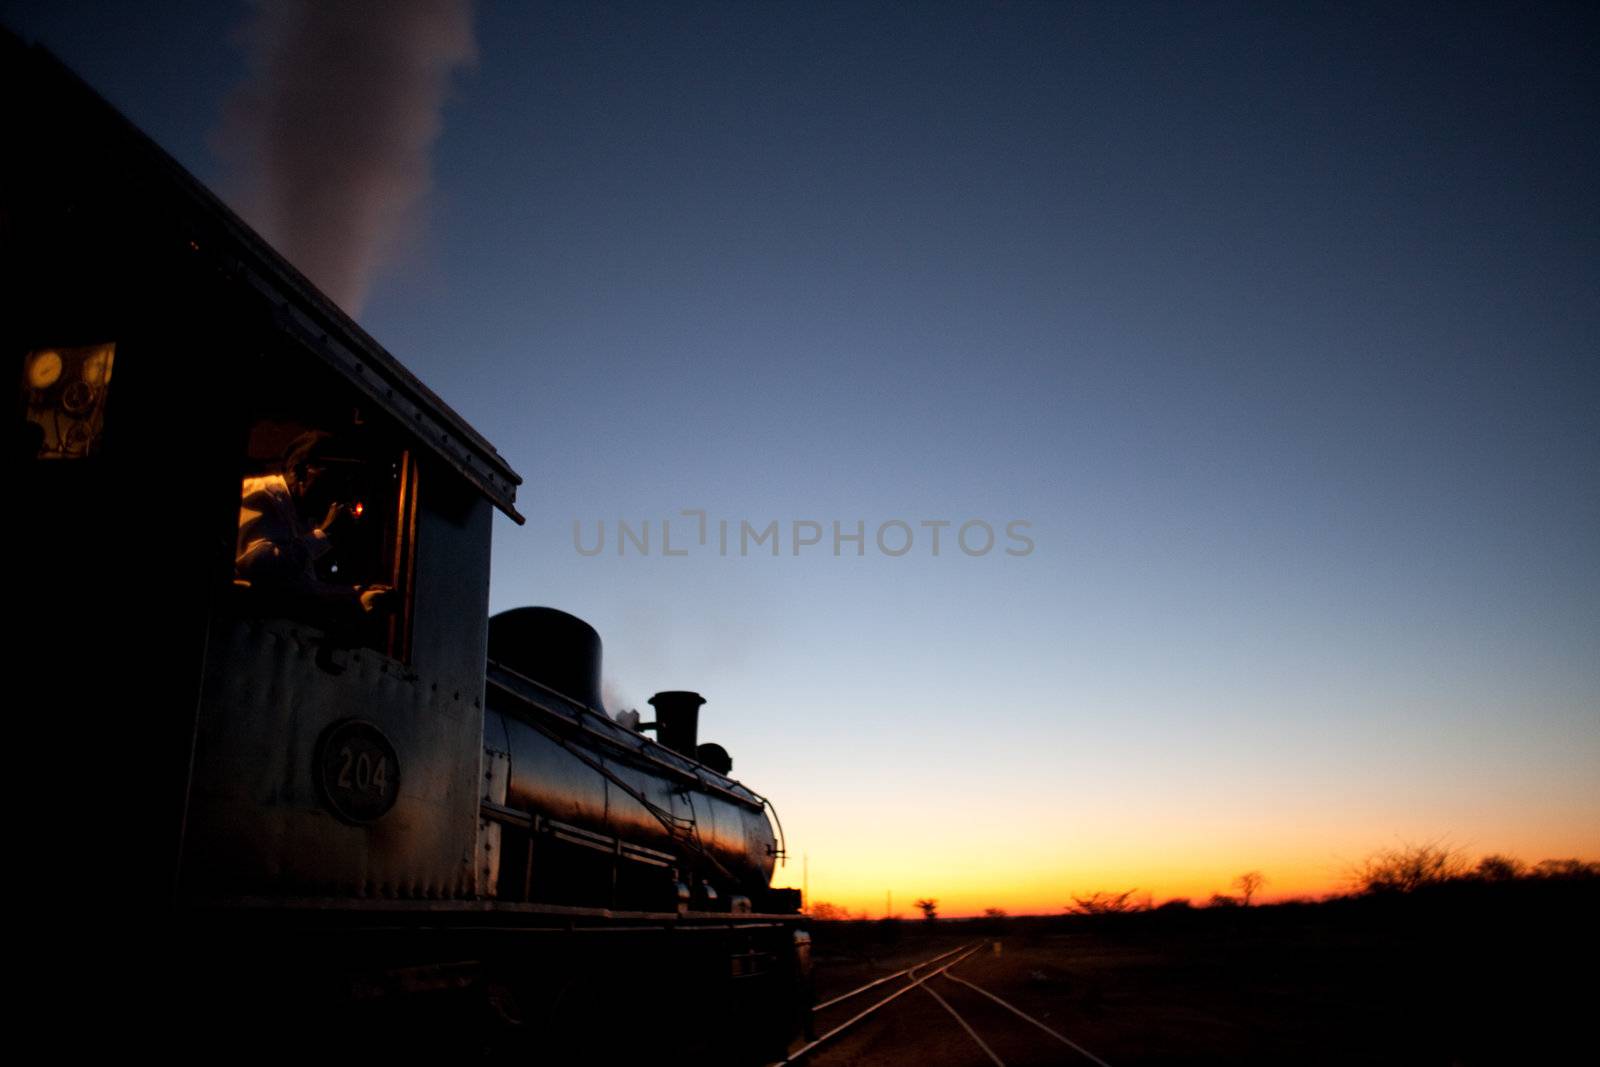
x=897, y=994
x=1013, y=1009
x=886, y=978
x=956, y=1015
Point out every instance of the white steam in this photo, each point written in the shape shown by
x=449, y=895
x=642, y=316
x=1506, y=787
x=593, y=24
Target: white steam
x=333, y=131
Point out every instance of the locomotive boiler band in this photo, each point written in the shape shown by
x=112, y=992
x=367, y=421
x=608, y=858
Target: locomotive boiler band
x=326, y=796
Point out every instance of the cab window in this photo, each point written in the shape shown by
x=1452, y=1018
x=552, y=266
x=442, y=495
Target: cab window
x=326, y=527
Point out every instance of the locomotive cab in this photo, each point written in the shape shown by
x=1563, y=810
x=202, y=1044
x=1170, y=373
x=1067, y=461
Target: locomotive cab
x=340, y=729
x=169, y=362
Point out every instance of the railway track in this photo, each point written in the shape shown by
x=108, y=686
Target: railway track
x=995, y=1030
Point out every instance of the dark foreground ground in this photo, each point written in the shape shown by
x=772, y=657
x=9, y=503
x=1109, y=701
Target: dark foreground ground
x=1473, y=974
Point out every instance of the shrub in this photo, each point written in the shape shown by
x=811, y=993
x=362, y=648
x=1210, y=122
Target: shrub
x=1103, y=903
x=1407, y=868
x=1566, y=869
x=1499, y=869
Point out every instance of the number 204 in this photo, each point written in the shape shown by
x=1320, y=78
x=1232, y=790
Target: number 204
x=362, y=772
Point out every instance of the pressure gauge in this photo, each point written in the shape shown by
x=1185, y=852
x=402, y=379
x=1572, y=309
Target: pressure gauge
x=97, y=367
x=45, y=369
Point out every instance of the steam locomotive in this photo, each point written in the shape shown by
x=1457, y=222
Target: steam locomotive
x=275, y=813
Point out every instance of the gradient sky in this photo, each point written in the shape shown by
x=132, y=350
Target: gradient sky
x=1278, y=324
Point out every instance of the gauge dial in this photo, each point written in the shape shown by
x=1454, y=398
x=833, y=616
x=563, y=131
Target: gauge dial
x=97, y=366
x=44, y=370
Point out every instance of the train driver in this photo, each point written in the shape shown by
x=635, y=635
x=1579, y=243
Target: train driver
x=290, y=521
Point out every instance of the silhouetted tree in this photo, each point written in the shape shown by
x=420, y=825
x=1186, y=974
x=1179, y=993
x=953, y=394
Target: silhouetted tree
x=929, y=907
x=822, y=911
x=1248, y=884
x=1222, y=900
x=994, y=913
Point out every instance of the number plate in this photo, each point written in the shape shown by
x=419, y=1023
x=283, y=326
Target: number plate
x=358, y=772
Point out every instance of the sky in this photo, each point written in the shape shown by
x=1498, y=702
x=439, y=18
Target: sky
x=1261, y=339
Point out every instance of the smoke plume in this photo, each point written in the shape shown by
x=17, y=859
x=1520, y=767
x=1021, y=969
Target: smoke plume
x=611, y=693
x=332, y=131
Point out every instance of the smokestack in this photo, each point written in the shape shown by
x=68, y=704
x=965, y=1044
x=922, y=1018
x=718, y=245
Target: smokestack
x=678, y=719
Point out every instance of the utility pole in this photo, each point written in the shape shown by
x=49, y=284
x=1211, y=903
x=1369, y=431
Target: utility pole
x=805, y=882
